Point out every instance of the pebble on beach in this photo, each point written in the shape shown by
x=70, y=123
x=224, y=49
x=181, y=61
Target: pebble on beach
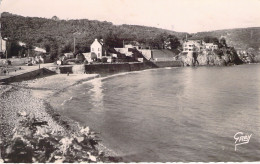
x=17, y=105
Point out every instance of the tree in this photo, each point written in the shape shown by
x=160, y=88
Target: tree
x=93, y=56
x=172, y=42
x=104, y=60
x=210, y=39
x=80, y=57
x=111, y=39
x=47, y=47
x=67, y=48
x=55, y=18
x=222, y=42
x=54, y=51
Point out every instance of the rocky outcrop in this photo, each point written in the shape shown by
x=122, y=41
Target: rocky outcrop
x=220, y=57
x=249, y=57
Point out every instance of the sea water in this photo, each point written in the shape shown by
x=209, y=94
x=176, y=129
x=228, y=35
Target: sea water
x=172, y=114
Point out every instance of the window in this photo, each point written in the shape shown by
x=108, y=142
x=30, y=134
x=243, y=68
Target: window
x=92, y=49
x=98, y=49
x=99, y=54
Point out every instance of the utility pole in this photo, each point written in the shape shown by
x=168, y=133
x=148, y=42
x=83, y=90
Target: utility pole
x=74, y=40
x=74, y=45
x=39, y=62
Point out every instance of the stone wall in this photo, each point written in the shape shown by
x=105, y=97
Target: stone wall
x=114, y=68
x=168, y=63
x=27, y=75
x=108, y=68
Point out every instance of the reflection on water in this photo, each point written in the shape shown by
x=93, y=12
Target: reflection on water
x=96, y=93
x=169, y=115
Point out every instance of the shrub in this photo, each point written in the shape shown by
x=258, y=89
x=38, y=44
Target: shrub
x=113, y=59
x=98, y=60
x=85, y=61
x=104, y=60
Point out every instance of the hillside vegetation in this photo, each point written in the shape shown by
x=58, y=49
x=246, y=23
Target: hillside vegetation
x=56, y=36
x=240, y=39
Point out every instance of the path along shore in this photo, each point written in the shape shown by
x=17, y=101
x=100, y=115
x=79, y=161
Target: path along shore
x=26, y=115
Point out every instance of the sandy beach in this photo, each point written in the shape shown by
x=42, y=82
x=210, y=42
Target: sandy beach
x=27, y=101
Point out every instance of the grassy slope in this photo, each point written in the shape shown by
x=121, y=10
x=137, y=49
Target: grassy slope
x=241, y=38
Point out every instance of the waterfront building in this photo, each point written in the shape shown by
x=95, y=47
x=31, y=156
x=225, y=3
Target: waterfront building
x=198, y=46
x=99, y=48
x=193, y=45
x=211, y=46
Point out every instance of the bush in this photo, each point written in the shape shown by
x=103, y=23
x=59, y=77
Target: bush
x=113, y=59
x=85, y=61
x=98, y=60
x=104, y=60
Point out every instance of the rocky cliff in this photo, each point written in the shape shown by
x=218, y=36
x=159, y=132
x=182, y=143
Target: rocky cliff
x=220, y=57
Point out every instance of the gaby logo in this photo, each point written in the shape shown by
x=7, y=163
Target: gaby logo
x=241, y=139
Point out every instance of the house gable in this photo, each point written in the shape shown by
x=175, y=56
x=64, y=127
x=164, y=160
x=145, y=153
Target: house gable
x=97, y=48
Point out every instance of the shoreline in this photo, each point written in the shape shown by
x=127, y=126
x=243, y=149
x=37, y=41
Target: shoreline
x=30, y=99
x=36, y=94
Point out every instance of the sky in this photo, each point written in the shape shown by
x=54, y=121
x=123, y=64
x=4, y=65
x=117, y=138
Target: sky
x=177, y=15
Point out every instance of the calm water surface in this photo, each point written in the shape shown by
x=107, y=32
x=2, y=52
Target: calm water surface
x=174, y=114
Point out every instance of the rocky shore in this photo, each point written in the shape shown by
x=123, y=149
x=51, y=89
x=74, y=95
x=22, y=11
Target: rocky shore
x=220, y=57
x=32, y=131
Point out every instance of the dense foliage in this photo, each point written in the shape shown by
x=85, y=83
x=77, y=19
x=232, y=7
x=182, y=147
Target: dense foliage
x=241, y=39
x=57, y=36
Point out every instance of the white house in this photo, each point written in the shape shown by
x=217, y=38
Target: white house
x=211, y=46
x=125, y=51
x=98, y=48
x=193, y=45
x=198, y=45
x=132, y=46
x=38, y=49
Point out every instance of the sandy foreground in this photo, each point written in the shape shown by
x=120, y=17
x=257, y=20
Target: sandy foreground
x=28, y=100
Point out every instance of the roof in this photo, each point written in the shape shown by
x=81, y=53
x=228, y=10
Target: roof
x=38, y=49
x=100, y=41
x=164, y=53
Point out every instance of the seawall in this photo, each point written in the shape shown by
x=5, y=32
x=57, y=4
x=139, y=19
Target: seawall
x=108, y=68
x=27, y=75
x=115, y=68
x=102, y=68
x=162, y=64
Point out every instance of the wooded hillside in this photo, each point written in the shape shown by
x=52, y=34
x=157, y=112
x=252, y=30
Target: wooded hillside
x=56, y=36
x=241, y=38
